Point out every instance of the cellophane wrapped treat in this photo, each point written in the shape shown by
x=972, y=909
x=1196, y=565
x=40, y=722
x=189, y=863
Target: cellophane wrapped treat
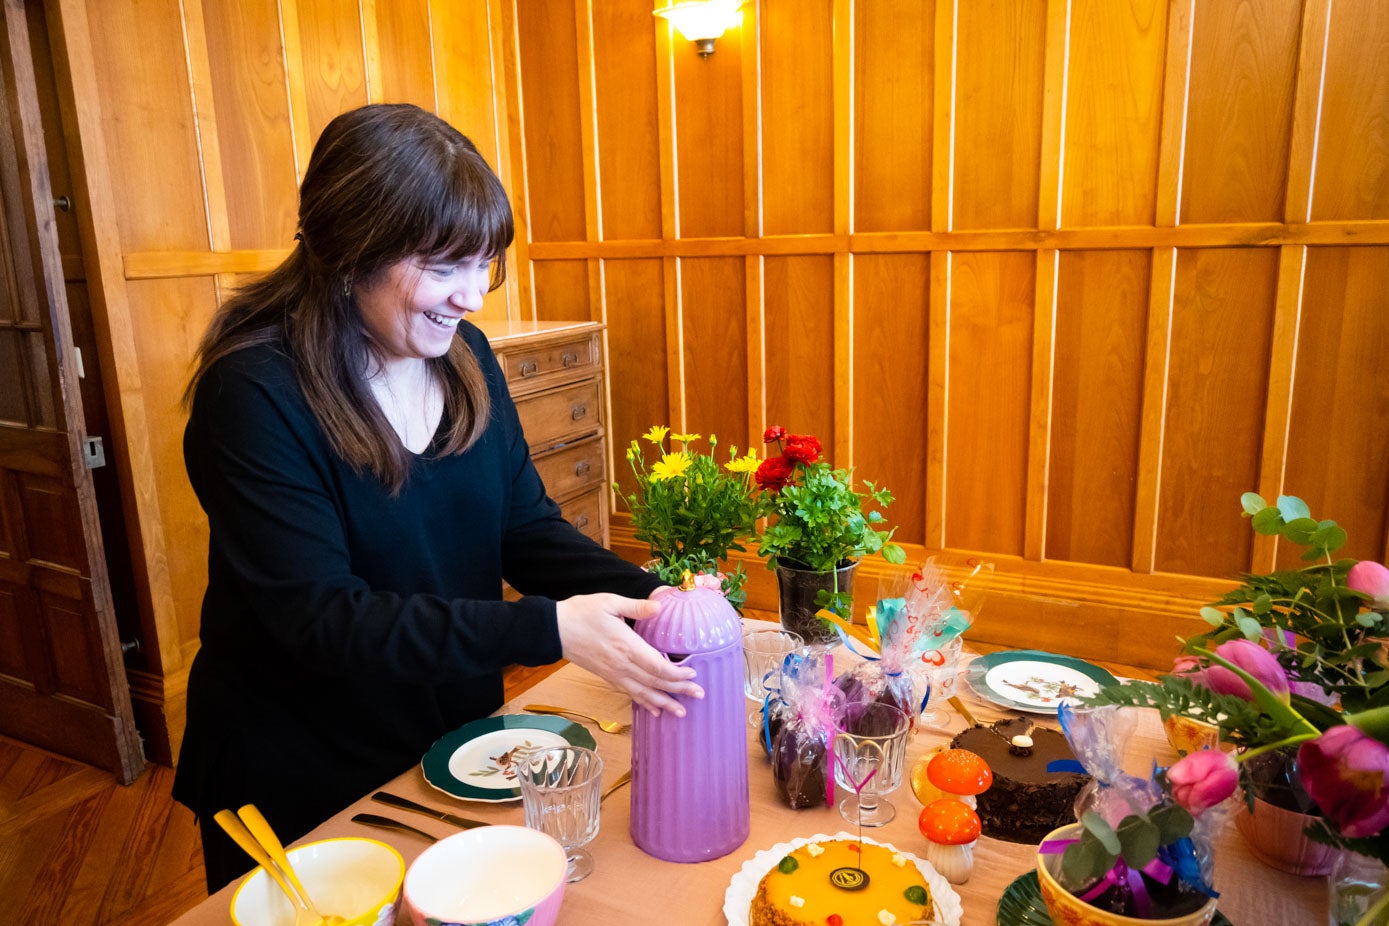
x=799, y=749
x=1177, y=879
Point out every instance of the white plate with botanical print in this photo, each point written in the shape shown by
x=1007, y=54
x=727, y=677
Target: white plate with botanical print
x=1034, y=681
x=477, y=761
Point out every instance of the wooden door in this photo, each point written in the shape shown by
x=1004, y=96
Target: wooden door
x=62, y=682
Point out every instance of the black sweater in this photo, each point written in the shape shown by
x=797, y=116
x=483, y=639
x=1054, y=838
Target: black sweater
x=344, y=630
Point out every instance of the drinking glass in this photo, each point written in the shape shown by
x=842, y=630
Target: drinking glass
x=940, y=669
x=560, y=791
x=763, y=653
x=871, y=740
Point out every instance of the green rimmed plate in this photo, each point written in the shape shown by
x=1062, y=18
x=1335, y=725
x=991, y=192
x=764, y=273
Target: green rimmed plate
x=1033, y=680
x=474, y=762
x=1022, y=905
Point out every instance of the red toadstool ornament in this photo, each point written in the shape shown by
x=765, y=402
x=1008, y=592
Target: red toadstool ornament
x=960, y=773
x=950, y=829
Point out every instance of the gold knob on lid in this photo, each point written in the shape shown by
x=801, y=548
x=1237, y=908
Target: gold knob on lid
x=687, y=582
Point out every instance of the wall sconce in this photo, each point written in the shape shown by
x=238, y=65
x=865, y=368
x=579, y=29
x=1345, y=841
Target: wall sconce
x=701, y=21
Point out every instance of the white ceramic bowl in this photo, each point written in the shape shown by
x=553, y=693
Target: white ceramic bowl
x=358, y=879
x=487, y=874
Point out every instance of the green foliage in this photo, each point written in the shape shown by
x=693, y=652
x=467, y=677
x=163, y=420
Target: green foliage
x=690, y=510
x=1136, y=840
x=821, y=523
x=1240, y=721
x=1337, y=649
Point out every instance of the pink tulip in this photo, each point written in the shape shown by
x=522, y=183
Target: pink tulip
x=1371, y=578
x=1200, y=780
x=1253, y=659
x=1347, y=773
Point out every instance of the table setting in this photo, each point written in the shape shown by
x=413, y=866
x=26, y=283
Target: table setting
x=474, y=781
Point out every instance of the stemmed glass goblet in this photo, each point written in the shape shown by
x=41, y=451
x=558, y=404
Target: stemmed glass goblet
x=763, y=653
x=560, y=791
x=869, y=750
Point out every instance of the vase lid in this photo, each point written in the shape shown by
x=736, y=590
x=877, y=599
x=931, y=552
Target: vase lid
x=692, y=620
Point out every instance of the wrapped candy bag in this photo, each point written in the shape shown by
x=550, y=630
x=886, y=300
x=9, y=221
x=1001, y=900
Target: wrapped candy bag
x=1165, y=873
x=800, y=747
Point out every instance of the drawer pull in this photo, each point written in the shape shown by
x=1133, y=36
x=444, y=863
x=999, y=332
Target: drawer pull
x=582, y=468
x=529, y=367
x=569, y=358
x=581, y=521
x=578, y=412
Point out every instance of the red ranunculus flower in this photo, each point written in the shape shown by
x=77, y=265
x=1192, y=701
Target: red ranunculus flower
x=1347, y=773
x=774, y=473
x=773, y=434
x=803, y=448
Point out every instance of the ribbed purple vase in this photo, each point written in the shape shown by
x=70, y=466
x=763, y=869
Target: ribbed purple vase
x=690, y=774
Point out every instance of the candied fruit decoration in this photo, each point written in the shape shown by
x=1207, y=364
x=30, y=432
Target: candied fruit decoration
x=787, y=865
x=854, y=847
x=834, y=919
x=916, y=894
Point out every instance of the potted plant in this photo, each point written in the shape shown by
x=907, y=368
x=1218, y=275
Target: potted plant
x=820, y=530
x=1294, y=674
x=691, y=511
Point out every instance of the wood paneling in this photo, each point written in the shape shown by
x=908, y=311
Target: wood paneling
x=712, y=325
x=1101, y=327
x=1352, y=155
x=549, y=87
x=334, y=69
x=406, y=59
x=562, y=287
x=1221, y=335
x=800, y=375
x=708, y=121
x=636, y=339
x=998, y=113
x=797, y=128
x=624, y=53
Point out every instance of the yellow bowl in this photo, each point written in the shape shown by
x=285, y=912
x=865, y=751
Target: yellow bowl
x=355, y=878
x=1067, y=909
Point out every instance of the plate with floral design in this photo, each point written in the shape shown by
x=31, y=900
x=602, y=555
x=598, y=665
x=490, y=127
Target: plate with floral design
x=1033, y=680
x=477, y=762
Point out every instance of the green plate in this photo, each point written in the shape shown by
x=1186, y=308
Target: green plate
x=475, y=761
x=1022, y=905
x=1032, y=680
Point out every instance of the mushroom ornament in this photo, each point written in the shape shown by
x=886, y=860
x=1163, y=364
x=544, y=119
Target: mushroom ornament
x=961, y=774
x=951, y=830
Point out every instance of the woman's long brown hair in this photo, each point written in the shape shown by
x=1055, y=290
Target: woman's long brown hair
x=385, y=182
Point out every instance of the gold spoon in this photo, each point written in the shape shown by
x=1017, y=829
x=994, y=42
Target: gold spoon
x=260, y=829
x=237, y=830
x=607, y=726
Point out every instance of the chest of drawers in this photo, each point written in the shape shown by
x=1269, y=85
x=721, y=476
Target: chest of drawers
x=554, y=371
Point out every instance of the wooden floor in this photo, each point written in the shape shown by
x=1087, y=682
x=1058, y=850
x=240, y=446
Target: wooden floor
x=77, y=848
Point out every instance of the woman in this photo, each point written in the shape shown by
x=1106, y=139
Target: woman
x=368, y=488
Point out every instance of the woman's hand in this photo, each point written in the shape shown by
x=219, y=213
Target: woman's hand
x=594, y=635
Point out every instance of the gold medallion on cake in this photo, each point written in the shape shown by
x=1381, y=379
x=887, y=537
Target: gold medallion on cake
x=849, y=879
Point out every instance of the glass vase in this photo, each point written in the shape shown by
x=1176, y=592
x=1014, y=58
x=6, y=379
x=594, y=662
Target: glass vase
x=1357, y=892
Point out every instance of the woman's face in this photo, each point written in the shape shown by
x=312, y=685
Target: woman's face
x=413, y=307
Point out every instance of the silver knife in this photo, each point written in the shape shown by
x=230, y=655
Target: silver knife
x=407, y=804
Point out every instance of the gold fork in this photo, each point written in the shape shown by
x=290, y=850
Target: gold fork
x=607, y=726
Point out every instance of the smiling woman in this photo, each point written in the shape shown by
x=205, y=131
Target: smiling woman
x=368, y=489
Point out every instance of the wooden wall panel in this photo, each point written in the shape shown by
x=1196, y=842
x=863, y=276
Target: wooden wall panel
x=800, y=374
x=708, y=117
x=1097, y=405
x=1221, y=334
x=1113, y=112
x=561, y=286
x=246, y=64
x=463, y=74
x=334, y=71
x=407, y=63
x=1338, y=459
x=890, y=361
x=987, y=394
x=1240, y=111
x=629, y=157
x=550, y=95
x=162, y=208
x=715, y=350
x=636, y=338
x=797, y=132
x=1352, y=166
x=893, y=101
x=998, y=113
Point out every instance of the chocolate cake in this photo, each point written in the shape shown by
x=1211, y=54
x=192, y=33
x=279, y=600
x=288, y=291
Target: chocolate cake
x=1025, y=802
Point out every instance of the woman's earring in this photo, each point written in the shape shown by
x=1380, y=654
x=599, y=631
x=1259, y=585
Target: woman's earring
x=346, y=288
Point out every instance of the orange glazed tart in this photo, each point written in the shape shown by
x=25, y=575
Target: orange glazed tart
x=818, y=884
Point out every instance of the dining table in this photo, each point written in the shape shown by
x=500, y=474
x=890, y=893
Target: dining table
x=629, y=886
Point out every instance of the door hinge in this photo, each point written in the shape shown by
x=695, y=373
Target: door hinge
x=93, y=453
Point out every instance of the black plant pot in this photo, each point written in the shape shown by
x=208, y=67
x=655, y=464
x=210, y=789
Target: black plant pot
x=799, y=588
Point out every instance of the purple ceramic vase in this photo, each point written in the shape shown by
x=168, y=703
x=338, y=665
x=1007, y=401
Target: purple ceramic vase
x=690, y=774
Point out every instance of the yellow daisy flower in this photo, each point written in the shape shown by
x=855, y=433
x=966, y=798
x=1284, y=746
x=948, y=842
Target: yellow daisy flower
x=670, y=466
x=657, y=433
x=747, y=464
x=685, y=438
